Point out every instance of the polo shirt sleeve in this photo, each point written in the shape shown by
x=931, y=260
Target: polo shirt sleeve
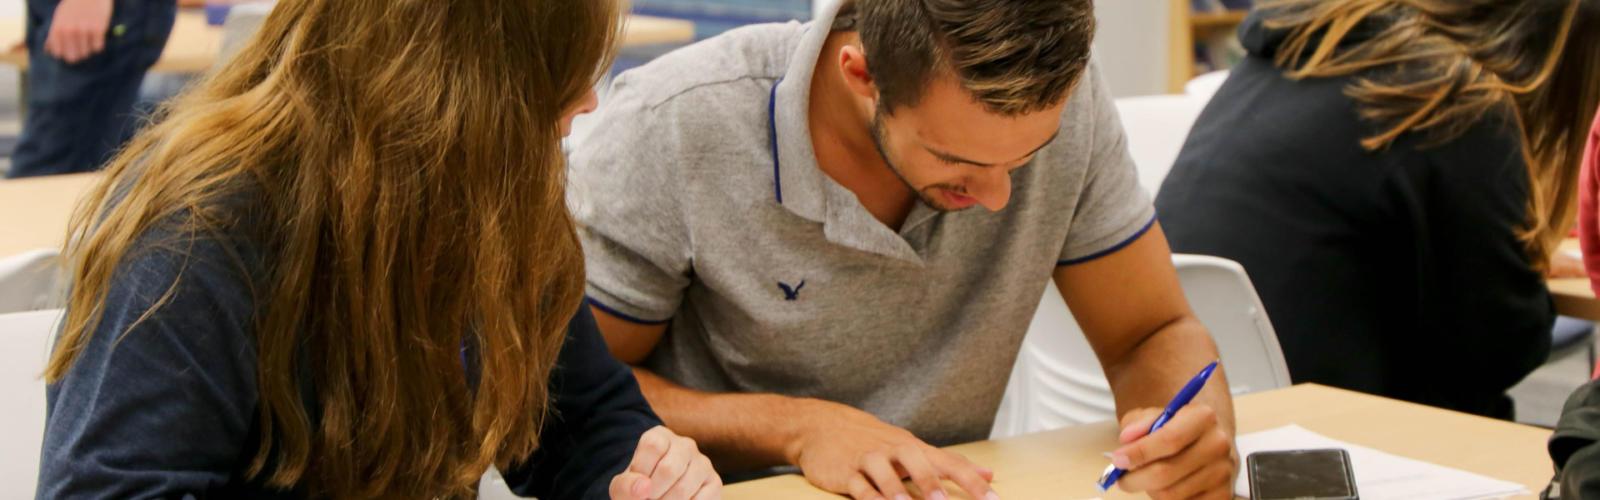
x=1112, y=209
x=625, y=198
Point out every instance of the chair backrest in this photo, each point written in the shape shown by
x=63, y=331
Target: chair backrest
x=1204, y=86
x=25, y=340
x=30, y=281
x=1058, y=381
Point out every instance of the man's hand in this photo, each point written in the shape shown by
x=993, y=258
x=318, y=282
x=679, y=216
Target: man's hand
x=666, y=466
x=1191, y=457
x=851, y=452
x=78, y=29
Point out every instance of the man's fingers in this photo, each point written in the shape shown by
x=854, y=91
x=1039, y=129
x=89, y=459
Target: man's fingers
x=97, y=42
x=630, y=486
x=921, y=470
x=1211, y=481
x=90, y=41
x=861, y=489
x=987, y=473
x=1135, y=424
x=69, y=49
x=55, y=42
x=50, y=43
x=1186, y=427
x=878, y=469
x=1213, y=448
x=74, y=45
x=957, y=469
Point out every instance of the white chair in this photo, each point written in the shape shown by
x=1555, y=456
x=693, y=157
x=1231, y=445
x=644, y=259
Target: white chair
x=1157, y=126
x=30, y=281
x=1058, y=381
x=25, y=340
x=1204, y=86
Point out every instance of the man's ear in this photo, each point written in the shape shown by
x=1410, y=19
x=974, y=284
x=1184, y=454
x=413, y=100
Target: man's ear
x=853, y=65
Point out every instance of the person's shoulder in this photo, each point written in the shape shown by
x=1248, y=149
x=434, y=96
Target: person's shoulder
x=1082, y=120
x=712, y=68
x=215, y=246
x=1492, y=144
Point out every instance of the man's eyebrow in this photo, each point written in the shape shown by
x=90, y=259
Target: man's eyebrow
x=957, y=159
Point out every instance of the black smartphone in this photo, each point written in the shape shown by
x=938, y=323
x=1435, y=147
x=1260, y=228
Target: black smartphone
x=1301, y=475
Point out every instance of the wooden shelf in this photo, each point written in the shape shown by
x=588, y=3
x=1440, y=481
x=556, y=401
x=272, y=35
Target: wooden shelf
x=1216, y=20
x=1187, y=28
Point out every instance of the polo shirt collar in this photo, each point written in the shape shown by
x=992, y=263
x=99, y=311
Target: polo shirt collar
x=798, y=184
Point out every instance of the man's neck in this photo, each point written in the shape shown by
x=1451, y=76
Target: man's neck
x=842, y=139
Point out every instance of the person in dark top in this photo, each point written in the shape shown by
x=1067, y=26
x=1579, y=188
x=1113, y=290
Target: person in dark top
x=86, y=61
x=343, y=267
x=1394, y=176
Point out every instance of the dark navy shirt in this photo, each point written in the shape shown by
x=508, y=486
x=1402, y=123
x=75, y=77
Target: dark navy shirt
x=1395, y=272
x=169, y=411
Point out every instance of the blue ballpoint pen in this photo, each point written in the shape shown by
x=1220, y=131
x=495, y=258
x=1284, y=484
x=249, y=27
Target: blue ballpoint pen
x=1185, y=395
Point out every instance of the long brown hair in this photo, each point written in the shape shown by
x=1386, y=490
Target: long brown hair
x=404, y=161
x=1443, y=65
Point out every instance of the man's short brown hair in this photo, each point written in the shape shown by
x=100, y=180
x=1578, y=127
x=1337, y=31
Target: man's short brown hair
x=1014, y=56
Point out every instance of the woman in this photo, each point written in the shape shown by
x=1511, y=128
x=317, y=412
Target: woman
x=1395, y=175
x=343, y=267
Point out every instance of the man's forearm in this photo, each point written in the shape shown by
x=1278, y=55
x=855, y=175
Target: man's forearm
x=1153, y=371
x=739, y=432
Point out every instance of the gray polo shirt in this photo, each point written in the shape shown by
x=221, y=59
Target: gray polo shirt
x=701, y=204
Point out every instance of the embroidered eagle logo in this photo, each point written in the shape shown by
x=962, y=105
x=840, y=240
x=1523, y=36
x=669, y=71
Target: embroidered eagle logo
x=791, y=294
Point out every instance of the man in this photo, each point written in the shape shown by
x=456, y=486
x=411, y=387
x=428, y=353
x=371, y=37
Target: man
x=86, y=59
x=792, y=200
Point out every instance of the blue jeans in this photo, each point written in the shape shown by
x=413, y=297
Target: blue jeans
x=78, y=115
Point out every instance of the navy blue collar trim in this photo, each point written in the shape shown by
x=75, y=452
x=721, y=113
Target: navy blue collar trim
x=772, y=121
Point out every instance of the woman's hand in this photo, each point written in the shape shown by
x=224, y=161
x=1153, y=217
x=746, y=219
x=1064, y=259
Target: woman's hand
x=667, y=466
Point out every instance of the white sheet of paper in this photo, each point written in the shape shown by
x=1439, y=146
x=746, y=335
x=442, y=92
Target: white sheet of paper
x=1379, y=475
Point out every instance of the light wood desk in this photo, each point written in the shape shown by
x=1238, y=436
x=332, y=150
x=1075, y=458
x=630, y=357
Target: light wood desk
x=34, y=211
x=1063, y=464
x=194, y=45
x=1573, y=296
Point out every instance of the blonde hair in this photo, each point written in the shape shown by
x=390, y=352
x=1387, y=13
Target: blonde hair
x=403, y=164
x=1437, y=67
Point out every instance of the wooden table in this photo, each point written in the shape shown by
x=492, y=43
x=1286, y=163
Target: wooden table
x=194, y=45
x=1063, y=464
x=34, y=211
x=1573, y=296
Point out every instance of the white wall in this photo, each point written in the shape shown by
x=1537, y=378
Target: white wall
x=1131, y=45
